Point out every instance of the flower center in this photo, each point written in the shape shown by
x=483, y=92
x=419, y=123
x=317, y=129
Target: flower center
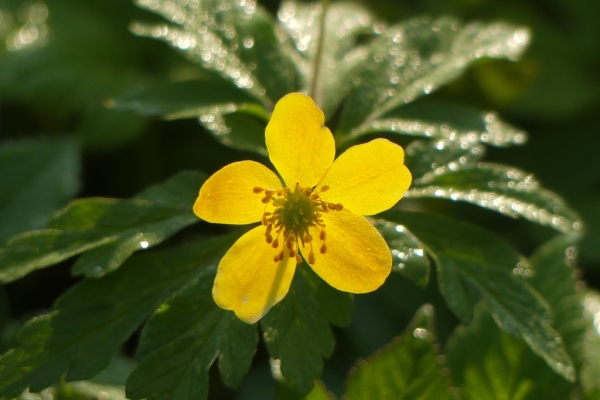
x=288, y=217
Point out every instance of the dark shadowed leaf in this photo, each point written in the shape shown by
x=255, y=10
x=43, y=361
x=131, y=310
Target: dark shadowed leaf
x=472, y=260
x=182, y=340
x=36, y=178
x=408, y=368
x=96, y=316
x=110, y=230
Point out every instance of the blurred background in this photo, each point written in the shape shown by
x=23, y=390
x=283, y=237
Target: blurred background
x=61, y=61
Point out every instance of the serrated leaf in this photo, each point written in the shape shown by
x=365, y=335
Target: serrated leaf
x=416, y=57
x=488, y=364
x=235, y=39
x=183, y=339
x=110, y=230
x=297, y=333
x=427, y=158
x=470, y=259
x=96, y=316
x=344, y=22
x=184, y=98
x=506, y=190
x=408, y=255
x=445, y=121
x=407, y=368
x=36, y=178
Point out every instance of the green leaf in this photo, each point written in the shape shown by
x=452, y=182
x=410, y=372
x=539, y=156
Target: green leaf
x=445, y=121
x=187, y=98
x=590, y=369
x=183, y=339
x=408, y=255
x=236, y=40
x=344, y=23
x=319, y=392
x=472, y=260
x=297, y=333
x=426, y=159
x=506, y=190
x=110, y=230
x=36, y=178
x=416, y=57
x=408, y=368
x=96, y=316
x=488, y=364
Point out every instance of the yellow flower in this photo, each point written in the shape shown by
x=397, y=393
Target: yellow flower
x=315, y=214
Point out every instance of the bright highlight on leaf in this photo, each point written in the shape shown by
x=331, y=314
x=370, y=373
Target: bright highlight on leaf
x=315, y=214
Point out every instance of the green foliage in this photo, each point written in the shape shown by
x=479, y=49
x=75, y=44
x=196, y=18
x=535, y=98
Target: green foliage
x=36, y=178
x=529, y=326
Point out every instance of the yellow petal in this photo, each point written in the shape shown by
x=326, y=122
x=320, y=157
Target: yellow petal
x=368, y=178
x=299, y=145
x=227, y=197
x=248, y=281
x=357, y=259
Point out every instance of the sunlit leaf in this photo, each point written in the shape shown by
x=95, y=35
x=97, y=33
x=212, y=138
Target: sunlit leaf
x=488, y=364
x=408, y=368
x=445, y=121
x=426, y=159
x=235, y=39
x=95, y=317
x=297, y=332
x=590, y=369
x=415, y=58
x=110, y=230
x=36, y=178
x=182, y=340
x=472, y=260
x=408, y=255
x=503, y=189
x=340, y=53
x=319, y=392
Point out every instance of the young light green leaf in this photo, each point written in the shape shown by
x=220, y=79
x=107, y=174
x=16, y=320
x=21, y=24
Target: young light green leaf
x=488, y=364
x=183, y=339
x=110, y=229
x=425, y=158
x=235, y=39
x=445, y=121
x=408, y=254
x=298, y=335
x=319, y=392
x=344, y=22
x=415, y=58
x=184, y=98
x=36, y=178
x=408, y=368
x=503, y=189
x=470, y=259
x=96, y=316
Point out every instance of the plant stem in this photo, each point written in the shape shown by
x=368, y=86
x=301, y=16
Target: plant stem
x=317, y=62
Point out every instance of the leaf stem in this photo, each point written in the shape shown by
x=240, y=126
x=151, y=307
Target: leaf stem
x=317, y=62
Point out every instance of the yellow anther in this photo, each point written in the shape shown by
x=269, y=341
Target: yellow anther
x=276, y=243
x=324, y=188
x=270, y=192
x=257, y=190
x=322, y=235
x=339, y=207
x=292, y=253
x=307, y=238
x=298, y=258
x=266, y=199
x=311, y=257
x=269, y=238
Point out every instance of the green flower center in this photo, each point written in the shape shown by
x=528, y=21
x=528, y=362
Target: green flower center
x=288, y=217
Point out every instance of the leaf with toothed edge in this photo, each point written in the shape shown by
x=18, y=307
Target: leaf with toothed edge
x=502, y=189
x=297, y=333
x=471, y=260
x=407, y=368
x=96, y=316
x=109, y=230
x=183, y=339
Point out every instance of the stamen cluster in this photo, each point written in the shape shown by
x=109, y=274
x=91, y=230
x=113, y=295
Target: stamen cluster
x=288, y=216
